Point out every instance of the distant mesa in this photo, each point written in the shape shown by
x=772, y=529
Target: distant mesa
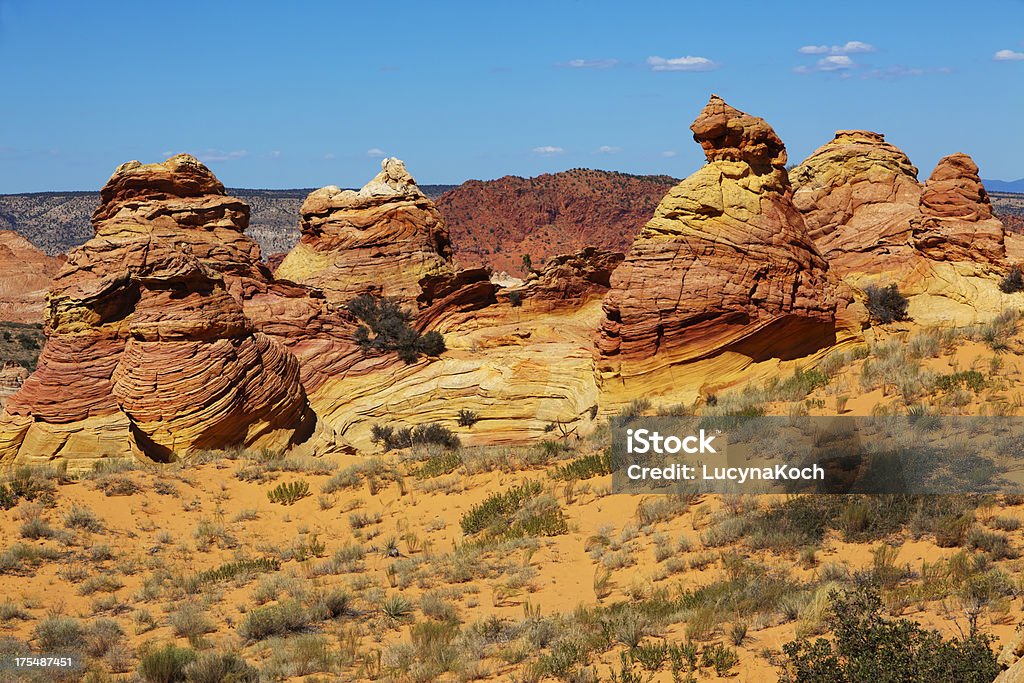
x=496, y=222
x=27, y=273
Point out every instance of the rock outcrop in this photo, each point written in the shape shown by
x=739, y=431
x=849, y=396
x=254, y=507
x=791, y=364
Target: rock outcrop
x=150, y=352
x=496, y=222
x=876, y=224
x=382, y=239
x=11, y=379
x=724, y=275
x=26, y=276
x=956, y=222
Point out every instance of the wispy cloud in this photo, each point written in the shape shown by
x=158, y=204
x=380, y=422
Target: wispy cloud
x=1008, y=56
x=682, y=64
x=589, y=63
x=608, y=149
x=669, y=153
x=375, y=152
x=547, y=150
x=275, y=154
x=329, y=156
x=900, y=71
x=853, y=47
x=827, y=64
x=219, y=155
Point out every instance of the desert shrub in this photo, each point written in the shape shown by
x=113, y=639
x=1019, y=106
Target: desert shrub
x=165, y=664
x=515, y=298
x=21, y=556
x=421, y=435
x=996, y=544
x=801, y=383
x=288, y=493
x=79, y=517
x=396, y=607
x=467, y=418
x=868, y=647
x=275, y=620
x=191, y=622
x=518, y=511
x=25, y=483
x=220, y=667
x=388, y=328
x=886, y=304
x=720, y=658
x=103, y=636
x=59, y=634
x=238, y=568
x=970, y=379
x=1013, y=282
x=587, y=467
x=439, y=465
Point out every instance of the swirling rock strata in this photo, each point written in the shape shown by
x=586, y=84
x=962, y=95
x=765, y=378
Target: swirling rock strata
x=723, y=276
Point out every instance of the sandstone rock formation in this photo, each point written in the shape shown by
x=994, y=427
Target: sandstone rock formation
x=496, y=222
x=875, y=223
x=858, y=194
x=723, y=276
x=26, y=275
x=149, y=349
x=956, y=222
x=379, y=240
x=11, y=379
x=566, y=280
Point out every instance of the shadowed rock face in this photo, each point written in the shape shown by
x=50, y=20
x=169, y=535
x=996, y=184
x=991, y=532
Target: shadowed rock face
x=725, y=265
x=379, y=240
x=150, y=351
x=956, y=222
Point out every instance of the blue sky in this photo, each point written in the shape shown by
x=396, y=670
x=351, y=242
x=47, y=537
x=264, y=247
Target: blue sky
x=305, y=94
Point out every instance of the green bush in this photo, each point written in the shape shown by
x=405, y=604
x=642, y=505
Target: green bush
x=388, y=328
x=232, y=570
x=166, y=664
x=971, y=379
x=440, y=464
x=59, y=634
x=868, y=647
x=587, y=467
x=288, y=493
x=421, y=435
x=886, y=304
x=519, y=511
x=467, y=418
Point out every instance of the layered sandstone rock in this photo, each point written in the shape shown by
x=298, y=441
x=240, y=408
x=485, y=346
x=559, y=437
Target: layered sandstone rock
x=11, y=379
x=858, y=195
x=956, y=222
x=382, y=239
x=723, y=276
x=567, y=280
x=150, y=352
x=26, y=275
x=876, y=224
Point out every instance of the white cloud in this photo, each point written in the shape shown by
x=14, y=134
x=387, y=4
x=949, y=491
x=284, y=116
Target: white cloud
x=900, y=71
x=1008, y=56
x=330, y=156
x=682, y=64
x=375, y=152
x=830, y=63
x=669, y=153
x=218, y=155
x=547, y=150
x=852, y=47
x=608, y=149
x=590, y=63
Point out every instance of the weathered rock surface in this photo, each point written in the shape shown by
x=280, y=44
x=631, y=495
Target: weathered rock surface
x=567, y=280
x=724, y=275
x=11, y=379
x=876, y=224
x=150, y=352
x=956, y=222
x=382, y=239
x=858, y=194
x=25, y=275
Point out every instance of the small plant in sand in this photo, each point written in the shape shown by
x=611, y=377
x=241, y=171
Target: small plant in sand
x=288, y=493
